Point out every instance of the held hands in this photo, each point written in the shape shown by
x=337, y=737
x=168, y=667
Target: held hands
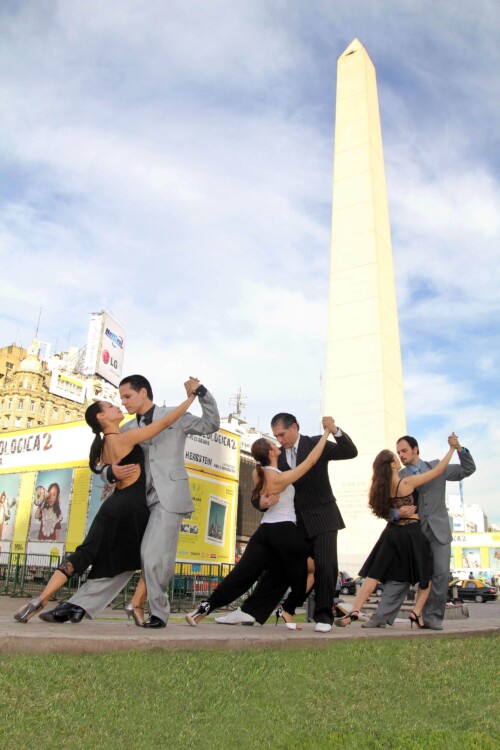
x=191, y=385
x=123, y=472
x=267, y=500
x=453, y=442
x=329, y=424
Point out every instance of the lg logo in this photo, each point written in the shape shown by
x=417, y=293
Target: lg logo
x=108, y=359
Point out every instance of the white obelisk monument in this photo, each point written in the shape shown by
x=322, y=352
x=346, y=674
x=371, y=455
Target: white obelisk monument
x=364, y=380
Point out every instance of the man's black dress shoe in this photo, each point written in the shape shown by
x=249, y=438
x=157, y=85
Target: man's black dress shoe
x=154, y=622
x=63, y=612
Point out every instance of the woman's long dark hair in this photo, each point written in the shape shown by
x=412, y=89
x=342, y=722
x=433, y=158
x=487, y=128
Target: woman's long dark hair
x=96, y=447
x=379, y=498
x=260, y=452
x=56, y=508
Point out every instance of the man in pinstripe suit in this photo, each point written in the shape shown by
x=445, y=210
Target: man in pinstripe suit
x=317, y=514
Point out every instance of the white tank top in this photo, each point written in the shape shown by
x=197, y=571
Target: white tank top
x=284, y=509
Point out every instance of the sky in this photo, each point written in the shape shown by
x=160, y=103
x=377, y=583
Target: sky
x=171, y=162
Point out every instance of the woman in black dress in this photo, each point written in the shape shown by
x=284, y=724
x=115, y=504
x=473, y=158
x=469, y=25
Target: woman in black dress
x=402, y=552
x=113, y=543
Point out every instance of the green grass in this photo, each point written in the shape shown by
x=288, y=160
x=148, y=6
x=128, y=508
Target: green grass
x=439, y=693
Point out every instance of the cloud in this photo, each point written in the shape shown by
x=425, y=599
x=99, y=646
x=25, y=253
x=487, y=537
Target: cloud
x=174, y=165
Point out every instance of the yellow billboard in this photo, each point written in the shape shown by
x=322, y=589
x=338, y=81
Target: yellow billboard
x=49, y=497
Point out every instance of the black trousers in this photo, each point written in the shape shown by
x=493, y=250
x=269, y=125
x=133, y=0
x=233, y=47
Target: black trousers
x=280, y=544
x=272, y=586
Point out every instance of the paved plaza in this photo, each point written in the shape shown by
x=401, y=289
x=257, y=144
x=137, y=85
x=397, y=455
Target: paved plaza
x=110, y=632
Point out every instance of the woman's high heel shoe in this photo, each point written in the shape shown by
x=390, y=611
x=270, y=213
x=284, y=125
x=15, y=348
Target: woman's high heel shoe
x=346, y=620
x=417, y=619
x=130, y=609
x=27, y=611
x=289, y=625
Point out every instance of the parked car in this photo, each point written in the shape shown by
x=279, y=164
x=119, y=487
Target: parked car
x=472, y=591
x=350, y=587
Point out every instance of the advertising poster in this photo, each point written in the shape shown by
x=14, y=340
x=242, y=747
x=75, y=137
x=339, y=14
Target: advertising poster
x=208, y=535
x=494, y=559
x=99, y=492
x=471, y=557
x=51, y=504
x=9, y=500
x=51, y=497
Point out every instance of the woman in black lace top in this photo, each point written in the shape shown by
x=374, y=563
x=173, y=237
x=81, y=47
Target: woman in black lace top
x=402, y=552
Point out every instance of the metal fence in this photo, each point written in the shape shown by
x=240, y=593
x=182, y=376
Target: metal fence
x=26, y=574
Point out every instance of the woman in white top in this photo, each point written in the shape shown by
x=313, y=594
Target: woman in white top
x=276, y=537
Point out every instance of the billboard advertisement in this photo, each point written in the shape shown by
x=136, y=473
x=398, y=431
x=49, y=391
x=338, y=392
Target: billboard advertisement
x=68, y=386
x=105, y=347
x=49, y=497
x=476, y=552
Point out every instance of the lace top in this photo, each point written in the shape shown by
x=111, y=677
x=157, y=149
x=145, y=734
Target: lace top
x=399, y=502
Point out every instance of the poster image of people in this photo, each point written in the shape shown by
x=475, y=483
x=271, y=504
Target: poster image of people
x=9, y=490
x=216, y=523
x=471, y=557
x=99, y=492
x=494, y=553
x=51, y=499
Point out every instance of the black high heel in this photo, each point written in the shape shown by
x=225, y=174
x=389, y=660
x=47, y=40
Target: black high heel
x=201, y=611
x=352, y=617
x=289, y=625
x=130, y=609
x=416, y=619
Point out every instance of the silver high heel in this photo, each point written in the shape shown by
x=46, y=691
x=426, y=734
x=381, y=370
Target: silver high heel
x=289, y=625
x=27, y=611
x=130, y=609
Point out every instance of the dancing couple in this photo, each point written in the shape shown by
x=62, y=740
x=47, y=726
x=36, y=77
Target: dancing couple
x=138, y=525
x=301, y=519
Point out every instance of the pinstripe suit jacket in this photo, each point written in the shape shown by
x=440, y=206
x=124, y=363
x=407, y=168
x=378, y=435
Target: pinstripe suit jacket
x=315, y=503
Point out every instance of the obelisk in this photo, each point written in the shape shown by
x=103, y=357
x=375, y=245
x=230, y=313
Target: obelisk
x=364, y=380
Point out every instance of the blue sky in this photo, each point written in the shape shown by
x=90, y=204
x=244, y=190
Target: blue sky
x=172, y=163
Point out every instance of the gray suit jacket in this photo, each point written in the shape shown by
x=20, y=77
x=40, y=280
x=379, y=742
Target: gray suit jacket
x=164, y=454
x=431, y=497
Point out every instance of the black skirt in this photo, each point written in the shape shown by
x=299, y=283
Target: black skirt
x=402, y=553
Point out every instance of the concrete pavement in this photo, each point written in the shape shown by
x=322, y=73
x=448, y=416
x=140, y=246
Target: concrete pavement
x=110, y=632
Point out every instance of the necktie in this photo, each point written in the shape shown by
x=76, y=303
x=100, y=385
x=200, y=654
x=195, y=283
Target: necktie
x=293, y=457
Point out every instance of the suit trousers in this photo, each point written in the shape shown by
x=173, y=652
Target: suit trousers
x=272, y=586
x=280, y=542
x=395, y=592
x=96, y=593
x=158, y=552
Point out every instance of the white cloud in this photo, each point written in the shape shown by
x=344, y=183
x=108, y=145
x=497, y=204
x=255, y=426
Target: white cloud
x=174, y=165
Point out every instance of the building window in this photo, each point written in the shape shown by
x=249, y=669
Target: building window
x=6, y=424
x=30, y=423
x=32, y=406
x=17, y=422
x=42, y=409
x=9, y=365
x=20, y=403
x=9, y=404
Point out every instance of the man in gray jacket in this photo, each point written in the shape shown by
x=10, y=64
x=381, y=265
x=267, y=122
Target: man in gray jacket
x=435, y=525
x=168, y=498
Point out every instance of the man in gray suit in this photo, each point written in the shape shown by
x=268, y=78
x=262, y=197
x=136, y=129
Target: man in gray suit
x=436, y=527
x=168, y=498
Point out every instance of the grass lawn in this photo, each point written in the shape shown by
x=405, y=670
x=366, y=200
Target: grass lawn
x=439, y=693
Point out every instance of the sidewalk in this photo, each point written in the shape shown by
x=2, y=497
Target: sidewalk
x=111, y=633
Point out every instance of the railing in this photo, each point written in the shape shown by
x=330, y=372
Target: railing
x=26, y=574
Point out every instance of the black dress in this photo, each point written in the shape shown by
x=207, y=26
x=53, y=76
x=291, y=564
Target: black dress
x=402, y=552
x=113, y=543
